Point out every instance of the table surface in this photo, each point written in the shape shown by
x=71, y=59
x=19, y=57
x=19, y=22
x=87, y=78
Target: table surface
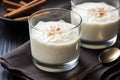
x=14, y=36
x=10, y=38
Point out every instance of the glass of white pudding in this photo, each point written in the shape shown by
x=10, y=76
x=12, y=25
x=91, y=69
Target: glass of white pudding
x=100, y=22
x=55, y=39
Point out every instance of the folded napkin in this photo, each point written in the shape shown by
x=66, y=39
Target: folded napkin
x=19, y=63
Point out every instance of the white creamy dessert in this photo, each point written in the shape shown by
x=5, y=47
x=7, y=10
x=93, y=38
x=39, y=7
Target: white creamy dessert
x=54, y=42
x=100, y=21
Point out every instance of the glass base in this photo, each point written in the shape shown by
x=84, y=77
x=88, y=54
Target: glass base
x=55, y=68
x=98, y=45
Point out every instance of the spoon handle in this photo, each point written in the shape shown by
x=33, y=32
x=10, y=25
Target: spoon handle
x=84, y=73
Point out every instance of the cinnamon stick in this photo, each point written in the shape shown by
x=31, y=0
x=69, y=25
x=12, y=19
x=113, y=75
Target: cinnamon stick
x=12, y=4
x=30, y=3
x=26, y=17
x=22, y=3
x=24, y=8
x=22, y=18
x=10, y=9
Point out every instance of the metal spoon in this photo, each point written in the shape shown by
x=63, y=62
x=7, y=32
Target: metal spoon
x=107, y=56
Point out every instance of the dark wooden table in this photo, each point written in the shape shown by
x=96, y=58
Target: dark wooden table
x=14, y=36
x=10, y=38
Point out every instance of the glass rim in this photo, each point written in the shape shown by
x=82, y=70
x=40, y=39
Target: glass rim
x=47, y=9
x=74, y=5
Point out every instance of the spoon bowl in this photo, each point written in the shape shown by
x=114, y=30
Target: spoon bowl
x=109, y=55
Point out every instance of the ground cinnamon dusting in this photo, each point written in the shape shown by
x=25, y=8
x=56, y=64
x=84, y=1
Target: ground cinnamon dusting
x=98, y=12
x=54, y=30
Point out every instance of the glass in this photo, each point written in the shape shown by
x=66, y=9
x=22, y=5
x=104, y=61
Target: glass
x=100, y=22
x=55, y=39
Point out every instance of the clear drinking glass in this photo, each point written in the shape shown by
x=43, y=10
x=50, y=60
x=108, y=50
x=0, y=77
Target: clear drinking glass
x=100, y=22
x=55, y=39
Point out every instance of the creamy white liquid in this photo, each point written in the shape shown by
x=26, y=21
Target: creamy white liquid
x=54, y=42
x=100, y=21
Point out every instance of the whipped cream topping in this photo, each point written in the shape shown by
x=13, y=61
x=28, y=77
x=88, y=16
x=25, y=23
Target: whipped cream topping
x=97, y=12
x=55, y=32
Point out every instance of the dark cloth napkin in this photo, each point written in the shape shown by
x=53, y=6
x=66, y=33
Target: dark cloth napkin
x=19, y=63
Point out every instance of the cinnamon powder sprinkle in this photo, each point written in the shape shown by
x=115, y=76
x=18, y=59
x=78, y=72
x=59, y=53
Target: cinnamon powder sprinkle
x=99, y=12
x=54, y=30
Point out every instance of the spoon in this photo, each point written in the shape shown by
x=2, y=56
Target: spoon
x=107, y=56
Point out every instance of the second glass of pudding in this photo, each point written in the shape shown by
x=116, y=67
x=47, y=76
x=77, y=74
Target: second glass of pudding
x=55, y=39
x=100, y=22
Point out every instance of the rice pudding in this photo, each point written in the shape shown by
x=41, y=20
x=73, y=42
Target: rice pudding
x=100, y=21
x=54, y=42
